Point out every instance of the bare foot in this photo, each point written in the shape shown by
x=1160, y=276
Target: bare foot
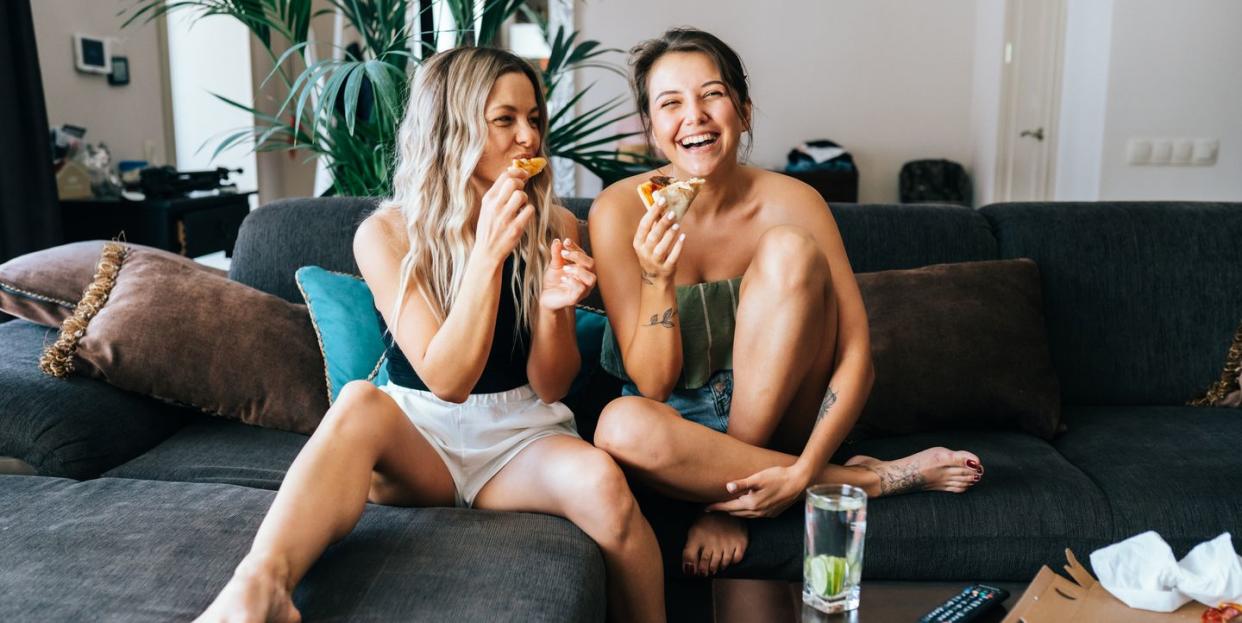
x=715, y=541
x=934, y=469
x=256, y=593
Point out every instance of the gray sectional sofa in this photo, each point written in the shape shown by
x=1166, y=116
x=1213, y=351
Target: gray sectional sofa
x=139, y=510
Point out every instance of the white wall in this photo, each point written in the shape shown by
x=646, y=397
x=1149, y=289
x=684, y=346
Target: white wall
x=1084, y=99
x=1175, y=71
x=890, y=80
x=129, y=119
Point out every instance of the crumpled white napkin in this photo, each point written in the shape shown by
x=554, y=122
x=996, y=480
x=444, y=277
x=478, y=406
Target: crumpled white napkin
x=1142, y=572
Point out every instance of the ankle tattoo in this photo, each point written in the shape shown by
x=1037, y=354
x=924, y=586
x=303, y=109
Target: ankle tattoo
x=896, y=479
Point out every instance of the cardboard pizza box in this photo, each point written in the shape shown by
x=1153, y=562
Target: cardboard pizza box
x=1052, y=598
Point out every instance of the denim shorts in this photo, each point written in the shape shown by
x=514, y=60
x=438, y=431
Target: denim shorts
x=707, y=405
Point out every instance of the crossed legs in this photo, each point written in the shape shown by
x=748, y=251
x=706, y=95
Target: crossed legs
x=784, y=347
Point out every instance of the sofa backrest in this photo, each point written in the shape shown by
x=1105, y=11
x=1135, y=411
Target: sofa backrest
x=1141, y=299
x=897, y=236
x=277, y=239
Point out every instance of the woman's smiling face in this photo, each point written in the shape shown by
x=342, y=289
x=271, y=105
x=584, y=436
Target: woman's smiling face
x=693, y=119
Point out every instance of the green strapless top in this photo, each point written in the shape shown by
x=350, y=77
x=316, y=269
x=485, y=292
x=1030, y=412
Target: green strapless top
x=708, y=314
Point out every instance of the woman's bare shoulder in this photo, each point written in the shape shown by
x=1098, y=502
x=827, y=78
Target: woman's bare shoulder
x=620, y=201
x=382, y=230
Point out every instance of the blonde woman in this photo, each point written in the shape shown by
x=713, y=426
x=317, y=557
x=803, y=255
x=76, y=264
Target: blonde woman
x=476, y=273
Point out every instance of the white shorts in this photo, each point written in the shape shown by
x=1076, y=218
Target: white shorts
x=478, y=437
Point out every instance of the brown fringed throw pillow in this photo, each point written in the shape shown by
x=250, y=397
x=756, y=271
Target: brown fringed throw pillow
x=959, y=346
x=153, y=325
x=44, y=287
x=1226, y=392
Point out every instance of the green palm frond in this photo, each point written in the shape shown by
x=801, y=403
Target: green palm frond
x=346, y=107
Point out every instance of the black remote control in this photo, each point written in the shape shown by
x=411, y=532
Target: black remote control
x=967, y=605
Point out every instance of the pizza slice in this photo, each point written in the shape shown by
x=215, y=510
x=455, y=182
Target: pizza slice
x=532, y=166
x=677, y=193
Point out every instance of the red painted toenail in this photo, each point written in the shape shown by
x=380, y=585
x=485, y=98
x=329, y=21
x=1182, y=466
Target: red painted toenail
x=973, y=464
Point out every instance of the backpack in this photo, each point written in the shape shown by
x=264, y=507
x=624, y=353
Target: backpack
x=934, y=180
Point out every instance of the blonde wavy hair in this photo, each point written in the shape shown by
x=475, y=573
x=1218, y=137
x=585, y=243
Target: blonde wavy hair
x=439, y=144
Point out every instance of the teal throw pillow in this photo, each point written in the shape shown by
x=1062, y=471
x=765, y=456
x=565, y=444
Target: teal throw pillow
x=349, y=332
x=589, y=324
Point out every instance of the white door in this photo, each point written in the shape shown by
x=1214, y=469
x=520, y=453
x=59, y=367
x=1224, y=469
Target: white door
x=1030, y=91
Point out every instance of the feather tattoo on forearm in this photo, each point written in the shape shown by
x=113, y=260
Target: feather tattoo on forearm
x=830, y=399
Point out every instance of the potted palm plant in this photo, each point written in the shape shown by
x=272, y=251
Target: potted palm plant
x=346, y=108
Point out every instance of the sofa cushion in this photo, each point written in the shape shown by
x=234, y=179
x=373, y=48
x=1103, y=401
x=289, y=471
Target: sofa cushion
x=156, y=327
x=1174, y=470
x=76, y=427
x=1141, y=298
x=891, y=236
x=1030, y=505
x=44, y=286
x=213, y=450
x=158, y=551
x=959, y=346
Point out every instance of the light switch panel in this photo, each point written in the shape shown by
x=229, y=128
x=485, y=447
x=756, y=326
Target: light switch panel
x=1182, y=149
x=1204, y=153
x=1138, y=151
x=1161, y=151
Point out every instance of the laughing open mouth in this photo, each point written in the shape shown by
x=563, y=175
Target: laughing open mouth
x=699, y=141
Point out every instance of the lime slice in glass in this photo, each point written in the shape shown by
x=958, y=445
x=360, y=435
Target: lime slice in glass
x=818, y=576
x=826, y=574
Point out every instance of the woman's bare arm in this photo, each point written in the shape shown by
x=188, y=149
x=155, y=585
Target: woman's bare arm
x=642, y=306
x=448, y=357
x=554, y=358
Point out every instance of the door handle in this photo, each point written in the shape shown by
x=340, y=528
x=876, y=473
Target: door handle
x=1037, y=134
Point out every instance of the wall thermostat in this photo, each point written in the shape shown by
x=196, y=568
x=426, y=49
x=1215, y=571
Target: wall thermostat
x=92, y=54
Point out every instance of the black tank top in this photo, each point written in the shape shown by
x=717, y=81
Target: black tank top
x=506, y=363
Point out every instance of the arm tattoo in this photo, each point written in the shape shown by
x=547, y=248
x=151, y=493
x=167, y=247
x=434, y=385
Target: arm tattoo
x=830, y=399
x=666, y=321
x=647, y=278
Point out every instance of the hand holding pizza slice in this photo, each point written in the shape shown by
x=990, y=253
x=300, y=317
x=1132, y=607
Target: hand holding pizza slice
x=677, y=194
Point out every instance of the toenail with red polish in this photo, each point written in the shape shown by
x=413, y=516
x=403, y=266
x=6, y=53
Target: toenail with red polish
x=973, y=464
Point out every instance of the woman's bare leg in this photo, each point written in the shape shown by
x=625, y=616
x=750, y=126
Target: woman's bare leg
x=689, y=461
x=783, y=348
x=786, y=333
x=565, y=476
x=365, y=448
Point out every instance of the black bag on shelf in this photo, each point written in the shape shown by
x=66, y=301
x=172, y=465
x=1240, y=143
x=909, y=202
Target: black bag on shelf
x=934, y=180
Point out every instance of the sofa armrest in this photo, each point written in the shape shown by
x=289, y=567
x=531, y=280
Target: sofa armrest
x=76, y=427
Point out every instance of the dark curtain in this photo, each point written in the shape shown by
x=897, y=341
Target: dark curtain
x=29, y=212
